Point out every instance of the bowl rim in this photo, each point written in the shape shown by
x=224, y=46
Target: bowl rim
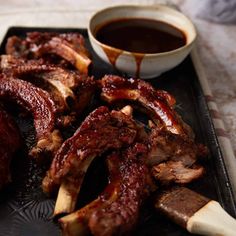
x=148, y=7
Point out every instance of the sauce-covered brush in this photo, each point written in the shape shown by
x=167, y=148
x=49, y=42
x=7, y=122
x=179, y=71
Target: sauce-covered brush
x=194, y=212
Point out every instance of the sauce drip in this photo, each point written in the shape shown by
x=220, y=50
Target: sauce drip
x=112, y=55
x=139, y=35
x=138, y=59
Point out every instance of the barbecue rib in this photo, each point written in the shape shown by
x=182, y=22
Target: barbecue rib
x=121, y=215
x=16, y=66
x=116, y=210
x=157, y=103
x=76, y=223
x=173, y=157
x=70, y=91
x=39, y=103
x=101, y=131
x=70, y=47
x=168, y=146
x=10, y=141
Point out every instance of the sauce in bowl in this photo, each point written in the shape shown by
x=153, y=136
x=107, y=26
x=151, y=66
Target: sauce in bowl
x=140, y=35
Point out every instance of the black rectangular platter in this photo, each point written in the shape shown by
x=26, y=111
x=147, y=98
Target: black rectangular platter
x=26, y=211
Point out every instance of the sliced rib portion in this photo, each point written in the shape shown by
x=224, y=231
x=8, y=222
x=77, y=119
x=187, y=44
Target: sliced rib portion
x=70, y=46
x=157, y=103
x=120, y=216
x=168, y=146
x=10, y=141
x=174, y=157
x=70, y=91
x=20, y=66
x=17, y=66
x=177, y=172
x=39, y=103
x=116, y=210
x=77, y=222
x=102, y=130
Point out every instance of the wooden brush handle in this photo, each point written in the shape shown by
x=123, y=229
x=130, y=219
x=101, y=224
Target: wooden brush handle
x=212, y=220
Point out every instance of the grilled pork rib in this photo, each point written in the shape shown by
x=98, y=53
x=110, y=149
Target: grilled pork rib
x=168, y=146
x=173, y=157
x=70, y=91
x=120, y=216
x=39, y=103
x=77, y=222
x=116, y=210
x=16, y=66
x=36, y=45
x=10, y=141
x=102, y=130
x=157, y=103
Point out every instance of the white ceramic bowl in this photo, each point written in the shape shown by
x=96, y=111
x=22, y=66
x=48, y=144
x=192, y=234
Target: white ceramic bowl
x=139, y=64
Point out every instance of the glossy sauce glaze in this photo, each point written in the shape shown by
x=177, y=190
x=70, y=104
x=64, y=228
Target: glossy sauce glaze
x=140, y=35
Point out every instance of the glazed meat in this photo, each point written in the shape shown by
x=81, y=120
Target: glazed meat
x=168, y=146
x=171, y=140
x=16, y=66
x=20, y=67
x=102, y=130
x=173, y=157
x=158, y=104
x=70, y=91
x=120, y=216
x=176, y=172
x=10, y=141
x=39, y=103
x=70, y=47
x=116, y=210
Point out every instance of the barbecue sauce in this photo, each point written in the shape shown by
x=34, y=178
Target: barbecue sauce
x=139, y=35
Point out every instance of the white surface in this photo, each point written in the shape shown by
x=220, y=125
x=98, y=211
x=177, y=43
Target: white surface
x=216, y=43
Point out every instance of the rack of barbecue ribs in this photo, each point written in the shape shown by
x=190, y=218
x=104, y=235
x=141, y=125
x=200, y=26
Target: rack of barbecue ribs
x=46, y=74
x=10, y=142
x=35, y=75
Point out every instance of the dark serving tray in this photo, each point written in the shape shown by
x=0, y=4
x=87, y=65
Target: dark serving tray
x=26, y=211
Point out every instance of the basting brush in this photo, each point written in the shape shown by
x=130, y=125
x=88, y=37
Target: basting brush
x=196, y=213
